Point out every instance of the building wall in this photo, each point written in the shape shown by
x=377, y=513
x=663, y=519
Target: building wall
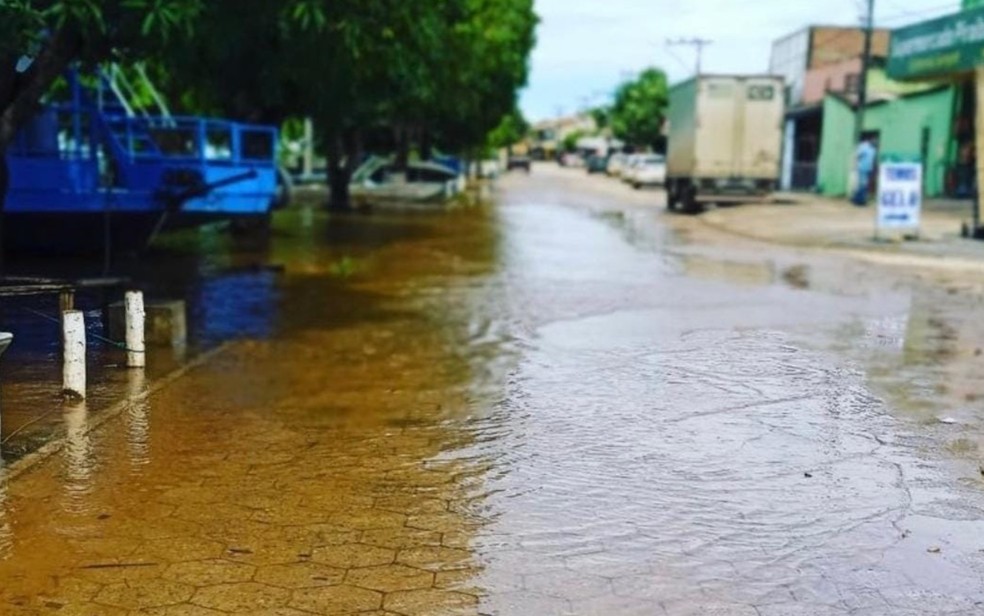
x=788, y=59
x=900, y=123
x=833, y=79
x=830, y=45
x=836, y=147
x=830, y=78
x=815, y=47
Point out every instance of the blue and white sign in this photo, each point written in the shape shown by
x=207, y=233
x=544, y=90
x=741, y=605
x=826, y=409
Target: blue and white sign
x=899, y=195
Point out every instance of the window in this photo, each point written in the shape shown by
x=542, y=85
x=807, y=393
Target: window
x=852, y=82
x=761, y=93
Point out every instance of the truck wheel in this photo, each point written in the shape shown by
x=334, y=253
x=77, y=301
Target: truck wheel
x=671, y=197
x=688, y=199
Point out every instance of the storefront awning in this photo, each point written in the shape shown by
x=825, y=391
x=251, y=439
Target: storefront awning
x=939, y=47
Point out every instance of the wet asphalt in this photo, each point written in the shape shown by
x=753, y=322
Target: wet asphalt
x=563, y=401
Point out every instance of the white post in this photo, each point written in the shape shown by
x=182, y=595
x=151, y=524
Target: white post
x=73, y=369
x=136, y=357
x=5, y=340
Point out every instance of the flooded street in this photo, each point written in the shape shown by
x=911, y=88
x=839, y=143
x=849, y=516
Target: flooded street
x=563, y=402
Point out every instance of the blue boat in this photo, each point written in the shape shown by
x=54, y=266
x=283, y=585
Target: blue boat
x=92, y=172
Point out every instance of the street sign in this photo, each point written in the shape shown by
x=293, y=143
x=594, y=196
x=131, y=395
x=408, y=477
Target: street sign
x=899, y=195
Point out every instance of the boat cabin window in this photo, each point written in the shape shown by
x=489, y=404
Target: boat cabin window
x=218, y=144
x=256, y=145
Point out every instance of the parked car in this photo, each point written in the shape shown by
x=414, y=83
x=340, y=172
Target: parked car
x=519, y=162
x=650, y=170
x=597, y=164
x=616, y=165
x=570, y=159
x=628, y=172
x=488, y=168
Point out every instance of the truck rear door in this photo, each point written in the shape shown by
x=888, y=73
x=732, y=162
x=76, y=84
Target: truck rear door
x=759, y=109
x=717, y=127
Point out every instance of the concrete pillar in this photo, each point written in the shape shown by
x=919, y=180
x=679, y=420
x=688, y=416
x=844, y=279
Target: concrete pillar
x=165, y=322
x=5, y=340
x=73, y=367
x=307, y=169
x=788, y=152
x=133, y=302
x=979, y=137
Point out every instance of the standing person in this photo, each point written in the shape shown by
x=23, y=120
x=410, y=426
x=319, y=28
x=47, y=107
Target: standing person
x=864, y=161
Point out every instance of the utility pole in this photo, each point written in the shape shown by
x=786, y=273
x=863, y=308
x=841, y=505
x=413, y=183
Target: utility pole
x=697, y=43
x=869, y=24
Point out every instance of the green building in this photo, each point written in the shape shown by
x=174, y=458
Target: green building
x=924, y=106
x=949, y=51
x=917, y=124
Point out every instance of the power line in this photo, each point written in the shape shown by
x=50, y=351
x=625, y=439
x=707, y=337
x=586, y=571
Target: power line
x=697, y=43
x=669, y=51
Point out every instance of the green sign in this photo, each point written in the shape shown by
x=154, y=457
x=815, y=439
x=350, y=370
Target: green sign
x=950, y=44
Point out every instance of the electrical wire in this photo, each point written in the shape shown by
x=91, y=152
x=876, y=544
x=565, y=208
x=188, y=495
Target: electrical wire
x=109, y=341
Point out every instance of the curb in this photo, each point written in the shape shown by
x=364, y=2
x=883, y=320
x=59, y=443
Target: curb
x=35, y=458
x=873, y=254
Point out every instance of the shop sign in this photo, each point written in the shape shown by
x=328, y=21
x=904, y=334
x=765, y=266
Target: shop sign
x=899, y=195
x=950, y=44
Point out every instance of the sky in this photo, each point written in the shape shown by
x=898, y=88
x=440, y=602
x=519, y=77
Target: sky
x=586, y=47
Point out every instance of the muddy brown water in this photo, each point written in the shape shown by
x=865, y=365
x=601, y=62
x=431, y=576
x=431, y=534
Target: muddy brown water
x=559, y=403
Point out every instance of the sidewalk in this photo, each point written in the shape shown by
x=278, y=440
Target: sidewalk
x=312, y=472
x=811, y=221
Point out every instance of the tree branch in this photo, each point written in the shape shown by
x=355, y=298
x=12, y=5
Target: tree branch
x=50, y=63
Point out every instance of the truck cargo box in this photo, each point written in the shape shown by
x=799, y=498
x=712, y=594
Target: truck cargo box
x=725, y=138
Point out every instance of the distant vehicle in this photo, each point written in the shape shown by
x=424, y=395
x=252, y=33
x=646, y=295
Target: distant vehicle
x=725, y=139
x=650, y=170
x=488, y=168
x=378, y=180
x=616, y=164
x=519, y=162
x=597, y=164
x=570, y=159
x=628, y=172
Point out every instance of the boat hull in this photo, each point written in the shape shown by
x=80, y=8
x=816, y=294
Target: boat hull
x=76, y=232
x=71, y=233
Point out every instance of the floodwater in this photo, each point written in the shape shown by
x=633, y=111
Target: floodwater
x=560, y=403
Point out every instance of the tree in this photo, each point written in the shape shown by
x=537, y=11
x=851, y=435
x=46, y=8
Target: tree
x=571, y=139
x=443, y=72
x=39, y=39
x=602, y=116
x=639, y=110
x=510, y=131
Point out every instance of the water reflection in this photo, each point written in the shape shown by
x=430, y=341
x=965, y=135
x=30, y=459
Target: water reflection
x=235, y=305
x=137, y=419
x=77, y=457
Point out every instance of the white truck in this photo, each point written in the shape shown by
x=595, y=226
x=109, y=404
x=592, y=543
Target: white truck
x=725, y=139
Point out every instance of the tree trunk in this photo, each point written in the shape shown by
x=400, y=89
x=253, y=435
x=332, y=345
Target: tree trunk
x=20, y=95
x=402, y=138
x=4, y=187
x=49, y=65
x=339, y=175
x=426, y=145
